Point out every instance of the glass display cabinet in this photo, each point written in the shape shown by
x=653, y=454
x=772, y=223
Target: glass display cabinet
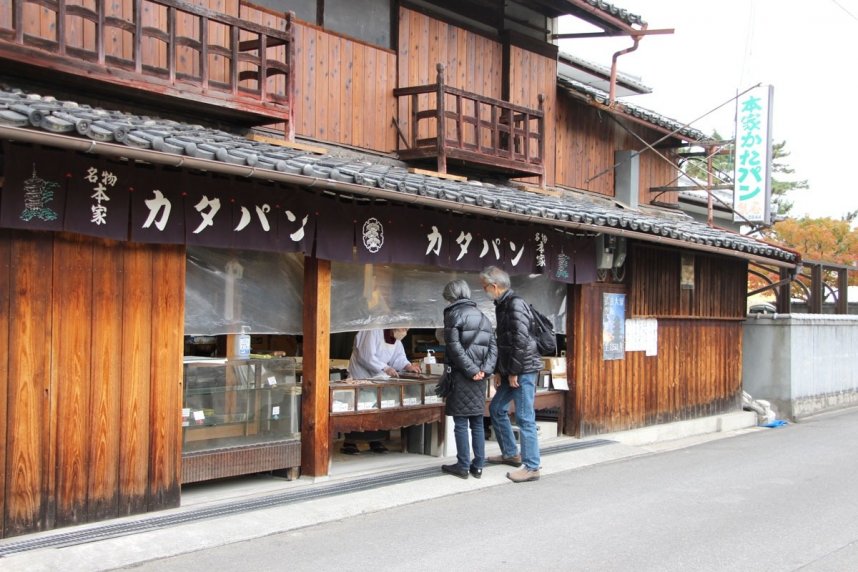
x=239, y=416
x=367, y=395
x=394, y=403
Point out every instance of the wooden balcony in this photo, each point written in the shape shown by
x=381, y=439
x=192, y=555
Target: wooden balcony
x=446, y=124
x=167, y=51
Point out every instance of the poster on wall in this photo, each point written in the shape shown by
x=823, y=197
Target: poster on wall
x=613, y=326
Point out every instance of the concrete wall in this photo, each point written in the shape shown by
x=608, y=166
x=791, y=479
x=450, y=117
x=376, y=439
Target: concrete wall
x=802, y=363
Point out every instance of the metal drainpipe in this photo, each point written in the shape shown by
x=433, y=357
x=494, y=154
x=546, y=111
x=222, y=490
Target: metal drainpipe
x=207, y=165
x=613, y=89
x=710, y=213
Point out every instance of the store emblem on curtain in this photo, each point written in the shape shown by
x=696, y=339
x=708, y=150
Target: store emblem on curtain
x=562, y=270
x=373, y=235
x=38, y=193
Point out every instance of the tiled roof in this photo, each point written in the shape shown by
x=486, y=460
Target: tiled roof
x=617, y=12
x=46, y=114
x=587, y=92
x=632, y=83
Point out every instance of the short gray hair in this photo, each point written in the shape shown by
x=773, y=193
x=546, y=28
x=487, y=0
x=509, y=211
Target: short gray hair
x=457, y=290
x=494, y=275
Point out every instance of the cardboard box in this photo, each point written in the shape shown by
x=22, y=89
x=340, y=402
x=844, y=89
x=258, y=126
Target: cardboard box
x=436, y=368
x=556, y=365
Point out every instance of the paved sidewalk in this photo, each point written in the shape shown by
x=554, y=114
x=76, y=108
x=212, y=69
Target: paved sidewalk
x=243, y=509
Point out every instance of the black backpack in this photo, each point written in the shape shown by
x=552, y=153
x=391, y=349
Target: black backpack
x=542, y=330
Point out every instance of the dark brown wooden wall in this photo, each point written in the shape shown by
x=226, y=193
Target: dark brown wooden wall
x=720, y=284
x=697, y=370
x=344, y=90
x=91, y=379
x=473, y=62
x=532, y=74
x=586, y=140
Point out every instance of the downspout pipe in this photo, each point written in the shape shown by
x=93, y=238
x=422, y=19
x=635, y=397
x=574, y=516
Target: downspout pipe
x=207, y=165
x=636, y=38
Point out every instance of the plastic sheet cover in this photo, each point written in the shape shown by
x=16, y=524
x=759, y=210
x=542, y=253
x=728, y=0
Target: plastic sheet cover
x=366, y=297
x=227, y=290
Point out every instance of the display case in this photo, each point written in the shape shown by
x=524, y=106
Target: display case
x=375, y=394
x=239, y=416
x=369, y=404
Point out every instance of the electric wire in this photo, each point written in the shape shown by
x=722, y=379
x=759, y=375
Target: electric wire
x=839, y=5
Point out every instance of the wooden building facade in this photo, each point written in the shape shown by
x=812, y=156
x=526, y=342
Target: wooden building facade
x=92, y=373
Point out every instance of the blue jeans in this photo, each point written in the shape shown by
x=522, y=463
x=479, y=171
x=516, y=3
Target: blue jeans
x=478, y=436
x=525, y=418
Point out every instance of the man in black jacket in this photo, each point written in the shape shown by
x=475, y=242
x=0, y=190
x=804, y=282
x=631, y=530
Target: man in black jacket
x=515, y=376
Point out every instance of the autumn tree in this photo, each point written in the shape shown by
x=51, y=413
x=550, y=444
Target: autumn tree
x=822, y=239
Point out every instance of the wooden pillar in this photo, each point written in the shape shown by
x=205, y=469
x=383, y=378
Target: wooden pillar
x=817, y=289
x=541, y=147
x=784, y=294
x=842, y=289
x=572, y=424
x=290, y=78
x=315, y=406
x=441, y=120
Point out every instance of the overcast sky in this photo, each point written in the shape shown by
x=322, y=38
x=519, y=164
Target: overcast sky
x=805, y=49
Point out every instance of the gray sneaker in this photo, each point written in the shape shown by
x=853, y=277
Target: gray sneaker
x=523, y=475
x=513, y=461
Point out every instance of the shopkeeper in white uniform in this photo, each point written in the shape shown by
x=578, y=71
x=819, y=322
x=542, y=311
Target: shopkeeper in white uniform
x=376, y=354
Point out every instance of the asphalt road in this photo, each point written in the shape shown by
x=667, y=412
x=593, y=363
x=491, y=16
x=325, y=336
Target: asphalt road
x=780, y=499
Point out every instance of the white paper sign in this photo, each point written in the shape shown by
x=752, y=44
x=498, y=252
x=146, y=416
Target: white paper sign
x=642, y=336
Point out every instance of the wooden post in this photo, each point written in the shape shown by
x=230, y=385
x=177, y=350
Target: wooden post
x=817, y=289
x=574, y=401
x=415, y=116
x=509, y=118
x=541, y=144
x=710, y=220
x=784, y=294
x=842, y=289
x=290, y=79
x=315, y=406
x=441, y=120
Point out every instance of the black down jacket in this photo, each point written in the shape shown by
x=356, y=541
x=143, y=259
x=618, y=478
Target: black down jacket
x=517, y=353
x=469, y=349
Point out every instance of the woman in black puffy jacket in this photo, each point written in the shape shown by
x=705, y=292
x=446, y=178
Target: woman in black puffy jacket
x=470, y=354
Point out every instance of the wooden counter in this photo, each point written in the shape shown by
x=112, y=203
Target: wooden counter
x=386, y=418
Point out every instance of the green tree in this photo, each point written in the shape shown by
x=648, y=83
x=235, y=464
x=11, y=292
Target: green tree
x=722, y=173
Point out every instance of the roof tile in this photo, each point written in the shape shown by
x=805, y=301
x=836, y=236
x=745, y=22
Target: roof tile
x=18, y=109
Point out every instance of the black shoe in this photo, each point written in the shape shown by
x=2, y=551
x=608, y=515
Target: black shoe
x=377, y=447
x=475, y=472
x=455, y=471
x=349, y=449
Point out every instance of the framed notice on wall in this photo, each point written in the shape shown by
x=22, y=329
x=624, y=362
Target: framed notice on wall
x=686, y=275
x=613, y=326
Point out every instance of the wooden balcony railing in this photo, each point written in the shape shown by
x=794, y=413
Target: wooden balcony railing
x=165, y=47
x=480, y=132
